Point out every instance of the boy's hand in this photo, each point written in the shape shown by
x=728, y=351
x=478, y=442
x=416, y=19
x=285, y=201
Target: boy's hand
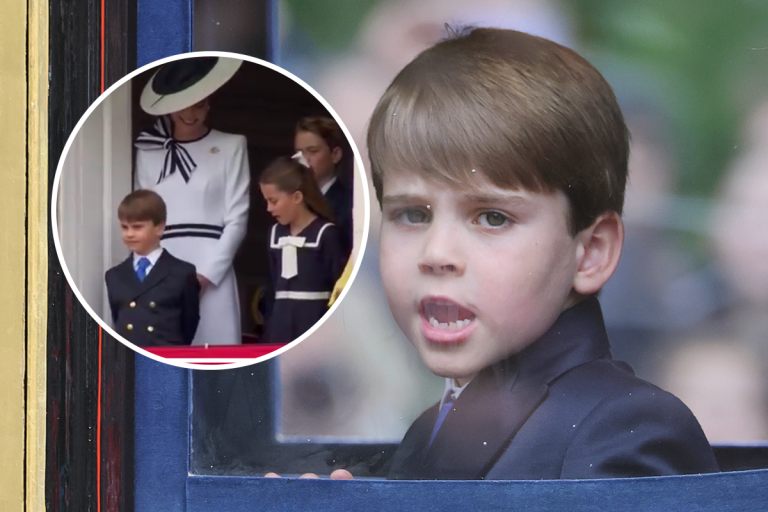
x=339, y=474
x=204, y=282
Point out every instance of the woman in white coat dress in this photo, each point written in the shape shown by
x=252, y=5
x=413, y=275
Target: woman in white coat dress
x=204, y=179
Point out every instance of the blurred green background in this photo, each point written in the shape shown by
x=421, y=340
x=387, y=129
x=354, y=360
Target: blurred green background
x=706, y=61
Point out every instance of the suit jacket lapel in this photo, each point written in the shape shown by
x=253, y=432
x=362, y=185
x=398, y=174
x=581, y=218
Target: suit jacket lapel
x=128, y=276
x=478, y=429
x=158, y=272
x=335, y=191
x=475, y=433
x=408, y=461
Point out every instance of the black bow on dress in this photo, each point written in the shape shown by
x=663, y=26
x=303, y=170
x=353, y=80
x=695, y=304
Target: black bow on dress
x=177, y=157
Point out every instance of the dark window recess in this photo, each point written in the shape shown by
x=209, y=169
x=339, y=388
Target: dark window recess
x=244, y=26
x=741, y=458
x=234, y=427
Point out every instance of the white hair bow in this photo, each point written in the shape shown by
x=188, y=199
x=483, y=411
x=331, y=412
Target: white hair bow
x=299, y=157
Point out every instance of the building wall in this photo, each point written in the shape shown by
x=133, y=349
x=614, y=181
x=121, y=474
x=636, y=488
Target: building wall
x=95, y=176
x=13, y=205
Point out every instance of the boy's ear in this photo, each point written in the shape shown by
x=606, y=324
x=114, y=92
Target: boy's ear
x=336, y=155
x=599, y=251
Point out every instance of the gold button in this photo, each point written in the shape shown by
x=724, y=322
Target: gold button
x=150, y=328
x=132, y=304
x=129, y=327
x=151, y=304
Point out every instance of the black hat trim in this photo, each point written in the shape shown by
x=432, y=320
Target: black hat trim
x=182, y=74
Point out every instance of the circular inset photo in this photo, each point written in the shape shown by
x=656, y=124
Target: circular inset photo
x=209, y=210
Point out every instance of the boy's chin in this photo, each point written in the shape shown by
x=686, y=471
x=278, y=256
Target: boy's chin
x=451, y=367
x=144, y=249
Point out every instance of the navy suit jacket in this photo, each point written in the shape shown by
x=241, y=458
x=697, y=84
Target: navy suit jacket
x=340, y=200
x=560, y=409
x=162, y=310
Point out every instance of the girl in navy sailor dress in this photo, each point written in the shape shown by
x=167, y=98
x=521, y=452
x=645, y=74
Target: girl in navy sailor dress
x=306, y=251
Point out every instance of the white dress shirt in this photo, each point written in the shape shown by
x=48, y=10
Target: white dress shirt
x=328, y=185
x=453, y=390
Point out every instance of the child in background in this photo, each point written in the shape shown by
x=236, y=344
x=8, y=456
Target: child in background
x=154, y=297
x=321, y=143
x=306, y=252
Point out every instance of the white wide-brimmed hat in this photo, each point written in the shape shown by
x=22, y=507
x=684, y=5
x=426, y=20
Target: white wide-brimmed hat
x=182, y=83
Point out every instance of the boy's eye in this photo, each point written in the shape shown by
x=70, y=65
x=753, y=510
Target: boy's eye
x=412, y=216
x=493, y=220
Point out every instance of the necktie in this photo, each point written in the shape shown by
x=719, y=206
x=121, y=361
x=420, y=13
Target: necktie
x=141, y=268
x=444, y=409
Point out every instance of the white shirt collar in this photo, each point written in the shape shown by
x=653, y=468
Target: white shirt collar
x=328, y=185
x=453, y=390
x=152, y=257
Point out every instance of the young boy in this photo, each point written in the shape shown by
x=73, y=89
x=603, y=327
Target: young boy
x=154, y=297
x=321, y=141
x=500, y=162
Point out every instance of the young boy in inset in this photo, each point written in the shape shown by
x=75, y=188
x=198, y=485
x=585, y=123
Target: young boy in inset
x=321, y=141
x=500, y=162
x=154, y=297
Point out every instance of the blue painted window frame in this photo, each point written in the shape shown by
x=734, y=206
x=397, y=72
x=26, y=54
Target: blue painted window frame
x=163, y=407
x=163, y=481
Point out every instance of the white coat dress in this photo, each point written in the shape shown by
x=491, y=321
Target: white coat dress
x=207, y=198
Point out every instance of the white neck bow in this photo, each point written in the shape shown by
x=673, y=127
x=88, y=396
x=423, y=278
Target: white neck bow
x=288, y=245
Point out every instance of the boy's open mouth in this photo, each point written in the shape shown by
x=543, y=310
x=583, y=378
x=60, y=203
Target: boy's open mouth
x=445, y=314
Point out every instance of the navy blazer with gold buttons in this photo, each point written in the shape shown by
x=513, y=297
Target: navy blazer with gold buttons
x=560, y=409
x=162, y=310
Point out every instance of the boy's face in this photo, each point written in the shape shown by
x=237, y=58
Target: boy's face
x=320, y=157
x=142, y=237
x=473, y=275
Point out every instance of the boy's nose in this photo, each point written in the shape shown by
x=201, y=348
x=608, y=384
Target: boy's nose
x=442, y=255
x=438, y=267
